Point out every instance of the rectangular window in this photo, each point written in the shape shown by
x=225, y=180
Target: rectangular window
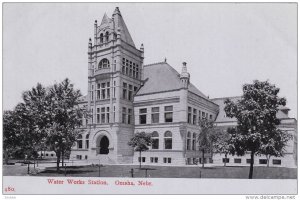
x=263, y=161
x=155, y=115
x=137, y=72
x=92, y=93
x=124, y=91
x=129, y=116
x=103, y=85
x=107, y=114
x=143, y=116
x=168, y=143
x=248, y=161
x=86, y=157
x=78, y=157
x=130, y=92
x=189, y=115
x=225, y=160
x=167, y=160
x=103, y=115
x=92, y=118
x=98, y=115
x=154, y=159
x=143, y=159
x=237, y=160
x=114, y=114
x=168, y=113
x=276, y=162
x=210, y=117
x=130, y=68
x=199, y=117
x=98, y=91
x=114, y=89
x=194, y=116
x=203, y=115
x=124, y=115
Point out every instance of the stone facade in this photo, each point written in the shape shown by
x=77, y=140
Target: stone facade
x=126, y=97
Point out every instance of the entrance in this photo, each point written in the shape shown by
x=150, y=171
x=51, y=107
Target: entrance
x=104, y=143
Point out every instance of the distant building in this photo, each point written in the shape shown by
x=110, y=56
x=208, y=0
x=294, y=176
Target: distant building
x=125, y=97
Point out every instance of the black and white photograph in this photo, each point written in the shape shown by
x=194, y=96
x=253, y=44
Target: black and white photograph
x=150, y=98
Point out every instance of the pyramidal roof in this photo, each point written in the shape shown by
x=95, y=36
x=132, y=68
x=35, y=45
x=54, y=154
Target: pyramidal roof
x=161, y=77
x=118, y=24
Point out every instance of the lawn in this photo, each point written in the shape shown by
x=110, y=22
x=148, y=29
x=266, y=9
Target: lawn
x=174, y=172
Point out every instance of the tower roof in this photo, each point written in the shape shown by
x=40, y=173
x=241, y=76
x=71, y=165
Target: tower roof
x=105, y=19
x=119, y=24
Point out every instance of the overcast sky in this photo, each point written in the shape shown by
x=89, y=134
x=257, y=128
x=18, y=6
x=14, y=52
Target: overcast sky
x=224, y=45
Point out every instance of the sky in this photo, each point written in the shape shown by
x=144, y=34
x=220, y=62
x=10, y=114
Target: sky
x=225, y=45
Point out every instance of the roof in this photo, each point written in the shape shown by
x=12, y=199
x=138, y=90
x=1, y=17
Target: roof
x=117, y=23
x=161, y=77
x=222, y=115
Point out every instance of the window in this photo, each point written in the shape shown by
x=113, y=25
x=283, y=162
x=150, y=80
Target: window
x=143, y=159
x=103, y=90
x=167, y=160
x=130, y=68
x=103, y=86
x=194, y=116
x=143, y=116
x=130, y=92
x=194, y=142
x=155, y=115
x=168, y=140
x=78, y=157
x=124, y=90
x=154, y=159
x=155, y=140
x=87, y=141
x=114, y=114
x=98, y=115
x=203, y=115
x=248, y=161
x=123, y=65
x=98, y=91
x=129, y=116
x=52, y=154
x=79, y=142
x=237, y=160
x=114, y=89
x=107, y=114
x=92, y=118
x=106, y=36
x=86, y=157
x=92, y=93
x=101, y=38
x=47, y=154
x=263, y=161
x=211, y=160
x=103, y=115
x=276, y=162
x=225, y=160
x=104, y=63
x=188, y=141
x=108, y=89
x=210, y=117
x=168, y=113
x=124, y=115
x=199, y=117
x=137, y=71
x=189, y=115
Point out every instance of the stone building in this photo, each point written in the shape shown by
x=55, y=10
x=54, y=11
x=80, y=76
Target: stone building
x=125, y=97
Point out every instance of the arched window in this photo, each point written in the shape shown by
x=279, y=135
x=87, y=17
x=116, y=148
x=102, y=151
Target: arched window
x=106, y=36
x=188, y=141
x=155, y=140
x=194, y=142
x=87, y=141
x=168, y=140
x=101, y=38
x=79, y=142
x=104, y=63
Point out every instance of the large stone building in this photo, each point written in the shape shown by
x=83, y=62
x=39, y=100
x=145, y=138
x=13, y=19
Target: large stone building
x=125, y=97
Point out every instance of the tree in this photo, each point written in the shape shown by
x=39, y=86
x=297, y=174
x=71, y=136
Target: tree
x=64, y=116
x=207, y=137
x=256, y=118
x=11, y=137
x=140, y=142
x=223, y=143
x=276, y=145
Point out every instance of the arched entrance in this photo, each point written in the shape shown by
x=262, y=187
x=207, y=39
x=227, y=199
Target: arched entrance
x=104, y=143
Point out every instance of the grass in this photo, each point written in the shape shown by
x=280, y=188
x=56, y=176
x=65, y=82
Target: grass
x=174, y=172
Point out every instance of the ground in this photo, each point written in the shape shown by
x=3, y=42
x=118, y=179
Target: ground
x=159, y=172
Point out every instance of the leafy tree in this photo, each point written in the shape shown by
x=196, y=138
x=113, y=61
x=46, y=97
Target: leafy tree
x=256, y=118
x=11, y=137
x=64, y=118
x=276, y=145
x=223, y=143
x=140, y=142
x=207, y=137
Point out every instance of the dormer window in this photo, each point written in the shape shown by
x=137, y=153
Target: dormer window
x=104, y=63
x=106, y=37
x=101, y=38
